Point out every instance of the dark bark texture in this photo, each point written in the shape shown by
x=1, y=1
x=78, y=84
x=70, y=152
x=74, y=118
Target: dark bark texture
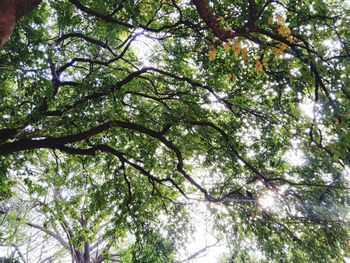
x=10, y=12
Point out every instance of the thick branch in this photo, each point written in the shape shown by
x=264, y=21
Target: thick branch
x=199, y=252
x=51, y=142
x=23, y=7
x=10, y=12
x=109, y=18
x=212, y=22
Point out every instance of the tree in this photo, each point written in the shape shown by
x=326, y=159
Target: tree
x=10, y=12
x=85, y=218
x=7, y=260
x=213, y=113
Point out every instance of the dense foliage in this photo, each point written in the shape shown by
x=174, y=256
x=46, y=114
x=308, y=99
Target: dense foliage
x=114, y=115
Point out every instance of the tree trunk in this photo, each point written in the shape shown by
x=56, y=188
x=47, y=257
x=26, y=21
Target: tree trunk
x=87, y=253
x=82, y=256
x=10, y=12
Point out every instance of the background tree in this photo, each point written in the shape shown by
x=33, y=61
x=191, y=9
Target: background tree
x=66, y=215
x=213, y=114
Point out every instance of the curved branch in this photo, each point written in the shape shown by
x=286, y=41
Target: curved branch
x=212, y=22
x=50, y=233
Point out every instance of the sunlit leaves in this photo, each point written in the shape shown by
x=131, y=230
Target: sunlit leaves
x=227, y=113
x=284, y=31
x=236, y=48
x=270, y=21
x=227, y=46
x=259, y=67
x=212, y=53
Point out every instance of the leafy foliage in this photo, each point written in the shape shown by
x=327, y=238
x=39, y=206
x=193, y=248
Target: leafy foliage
x=110, y=138
x=8, y=260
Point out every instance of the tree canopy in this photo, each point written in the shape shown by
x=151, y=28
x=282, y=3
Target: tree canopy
x=116, y=116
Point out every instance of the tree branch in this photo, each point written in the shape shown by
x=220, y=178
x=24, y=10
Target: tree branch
x=10, y=12
x=212, y=22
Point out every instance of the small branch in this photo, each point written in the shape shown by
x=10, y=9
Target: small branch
x=50, y=233
x=196, y=254
x=19, y=253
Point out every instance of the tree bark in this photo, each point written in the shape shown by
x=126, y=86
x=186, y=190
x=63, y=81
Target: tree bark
x=224, y=34
x=87, y=252
x=212, y=22
x=10, y=12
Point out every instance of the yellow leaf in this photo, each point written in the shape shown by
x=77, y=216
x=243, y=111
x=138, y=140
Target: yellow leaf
x=212, y=53
x=277, y=52
x=259, y=67
x=280, y=20
x=237, y=49
x=244, y=52
x=237, y=45
x=227, y=46
x=281, y=31
x=270, y=21
x=237, y=52
x=230, y=77
x=282, y=46
x=287, y=31
x=291, y=39
x=284, y=31
x=123, y=35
